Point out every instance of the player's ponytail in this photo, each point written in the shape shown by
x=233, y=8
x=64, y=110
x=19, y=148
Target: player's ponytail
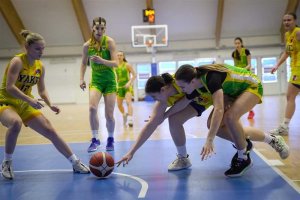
x=31, y=37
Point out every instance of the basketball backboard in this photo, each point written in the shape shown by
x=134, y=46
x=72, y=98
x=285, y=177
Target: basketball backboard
x=149, y=36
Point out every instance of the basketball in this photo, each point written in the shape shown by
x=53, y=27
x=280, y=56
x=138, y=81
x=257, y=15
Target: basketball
x=101, y=164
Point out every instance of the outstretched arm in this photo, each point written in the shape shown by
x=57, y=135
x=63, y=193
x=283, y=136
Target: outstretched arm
x=149, y=128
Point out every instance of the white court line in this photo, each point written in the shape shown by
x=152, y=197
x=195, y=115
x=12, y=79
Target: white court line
x=287, y=179
x=143, y=183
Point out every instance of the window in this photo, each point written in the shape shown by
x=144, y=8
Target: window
x=143, y=74
x=229, y=62
x=267, y=65
x=169, y=67
x=254, y=65
x=187, y=62
x=204, y=61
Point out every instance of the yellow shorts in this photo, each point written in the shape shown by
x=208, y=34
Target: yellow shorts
x=257, y=90
x=295, y=79
x=24, y=110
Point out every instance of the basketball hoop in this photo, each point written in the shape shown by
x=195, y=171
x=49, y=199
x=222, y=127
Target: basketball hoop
x=149, y=47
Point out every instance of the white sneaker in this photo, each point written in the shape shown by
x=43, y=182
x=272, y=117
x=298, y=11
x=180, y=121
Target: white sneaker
x=7, y=171
x=280, y=146
x=80, y=168
x=280, y=130
x=130, y=121
x=180, y=163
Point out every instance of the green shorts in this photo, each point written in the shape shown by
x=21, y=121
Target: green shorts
x=105, y=87
x=122, y=91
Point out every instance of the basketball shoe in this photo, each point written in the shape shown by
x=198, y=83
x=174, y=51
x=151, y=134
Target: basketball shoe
x=251, y=114
x=94, y=145
x=280, y=146
x=80, y=168
x=110, y=144
x=280, y=130
x=248, y=150
x=239, y=167
x=180, y=163
x=7, y=171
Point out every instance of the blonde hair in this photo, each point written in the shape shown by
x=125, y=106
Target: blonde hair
x=31, y=37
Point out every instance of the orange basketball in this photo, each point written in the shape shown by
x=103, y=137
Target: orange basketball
x=102, y=164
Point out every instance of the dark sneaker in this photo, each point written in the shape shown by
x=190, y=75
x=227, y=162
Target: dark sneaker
x=7, y=171
x=248, y=150
x=110, y=144
x=239, y=167
x=94, y=145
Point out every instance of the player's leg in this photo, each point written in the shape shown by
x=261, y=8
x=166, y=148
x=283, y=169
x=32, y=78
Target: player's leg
x=242, y=105
x=94, y=98
x=292, y=92
x=128, y=99
x=176, y=122
x=121, y=108
x=11, y=120
x=109, y=101
x=43, y=126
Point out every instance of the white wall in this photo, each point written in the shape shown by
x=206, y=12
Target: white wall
x=62, y=73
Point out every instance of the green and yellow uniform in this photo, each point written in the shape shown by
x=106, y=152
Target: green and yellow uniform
x=237, y=81
x=28, y=77
x=200, y=103
x=123, y=76
x=242, y=62
x=103, y=77
x=293, y=50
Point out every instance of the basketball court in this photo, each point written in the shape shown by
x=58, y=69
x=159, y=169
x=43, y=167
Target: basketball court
x=42, y=173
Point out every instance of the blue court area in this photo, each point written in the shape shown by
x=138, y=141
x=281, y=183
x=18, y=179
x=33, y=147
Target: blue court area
x=42, y=173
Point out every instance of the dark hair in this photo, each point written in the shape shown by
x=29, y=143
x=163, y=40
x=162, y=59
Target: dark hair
x=236, y=52
x=155, y=83
x=124, y=59
x=292, y=14
x=185, y=73
x=31, y=37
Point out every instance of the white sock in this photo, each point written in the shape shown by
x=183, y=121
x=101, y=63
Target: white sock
x=268, y=138
x=286, y=122
x=129, y=118
x=241, y=154
x=110, y=134
x=95, y=134
x=7, y=157
x=181, y=150
x=73, y=158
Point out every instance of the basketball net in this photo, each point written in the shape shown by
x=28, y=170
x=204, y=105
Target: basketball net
x=150, y=48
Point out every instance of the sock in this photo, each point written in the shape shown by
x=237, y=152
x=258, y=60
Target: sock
x=268, y=138
x=181, y=150
x=129, y=118
x=286, y=122
x=95, y=134
x=73, y=158
x=241, y=154
x=110, y=134
x=7, y=157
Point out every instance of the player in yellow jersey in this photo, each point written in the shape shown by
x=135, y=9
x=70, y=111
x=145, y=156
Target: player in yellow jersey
x=125, y=78
x=246, y=90
x=166, y=93
x=18, y=105
x=292, y=50
x=242, y=58
x=100, y=50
